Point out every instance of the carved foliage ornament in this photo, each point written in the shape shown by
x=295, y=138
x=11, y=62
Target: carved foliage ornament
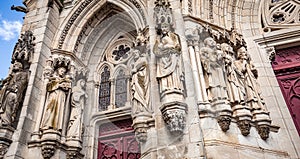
x=48, y=150
x=278, y=14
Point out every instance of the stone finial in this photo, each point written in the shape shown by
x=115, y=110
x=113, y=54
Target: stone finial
x=24, y=49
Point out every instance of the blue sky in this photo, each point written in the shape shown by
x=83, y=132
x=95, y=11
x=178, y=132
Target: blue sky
x=10, y=26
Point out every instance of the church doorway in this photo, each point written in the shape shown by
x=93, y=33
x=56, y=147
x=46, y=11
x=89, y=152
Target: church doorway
x=117, y=141
x=287, y=70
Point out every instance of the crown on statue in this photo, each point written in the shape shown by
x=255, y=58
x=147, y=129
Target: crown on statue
x=62, y=61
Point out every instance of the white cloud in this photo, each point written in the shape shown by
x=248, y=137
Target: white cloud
x=10, y=29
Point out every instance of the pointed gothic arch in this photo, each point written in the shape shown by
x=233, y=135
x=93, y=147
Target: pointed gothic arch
x=84, y=17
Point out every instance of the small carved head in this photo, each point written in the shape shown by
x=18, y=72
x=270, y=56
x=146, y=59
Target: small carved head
x=165, y=28
x=242, y=53
x=210, y=42
x=224, y=123
x=82, y=83
x=17, y=66
x=61, y=71
x=264, y=131
x=226, y=48
x=245, y=127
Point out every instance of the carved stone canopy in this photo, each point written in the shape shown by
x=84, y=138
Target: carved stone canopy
x=24, y=49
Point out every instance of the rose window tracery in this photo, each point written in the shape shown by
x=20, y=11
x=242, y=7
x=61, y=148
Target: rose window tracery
x=277, y=14
x=119, y=52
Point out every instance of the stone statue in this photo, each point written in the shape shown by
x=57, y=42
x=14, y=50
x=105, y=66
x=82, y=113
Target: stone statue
x=167, y=50
x=213, y=66
x=11, y=95
x=77, y=105
x=248, y=73
x=58, y=90
x=236, y=92
x=140, y=84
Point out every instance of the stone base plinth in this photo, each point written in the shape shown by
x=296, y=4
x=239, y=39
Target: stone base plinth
x=174, y=115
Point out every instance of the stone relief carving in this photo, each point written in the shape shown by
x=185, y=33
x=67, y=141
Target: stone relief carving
x=244, y=126
x=235, y=89
x=140, y=87
x=24, y=49
x=249, y=75
x=170, y=76
x=175, y=118
x=140, y=84
x=11, y=95
x=77, y=105
x=61, y=121
x=58, y=88
x=169, y=66
x=212, y=62
x=3, y=150
x=71, y=21
x=231, y=81
x=13, y=89
x=48, y=151
x=224, y=122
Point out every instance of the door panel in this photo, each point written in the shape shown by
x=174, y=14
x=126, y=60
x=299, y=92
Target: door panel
x=117, y=141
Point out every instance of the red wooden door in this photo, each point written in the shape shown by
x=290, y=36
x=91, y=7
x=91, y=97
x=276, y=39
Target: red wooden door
x=116, y=141
x=287, y=70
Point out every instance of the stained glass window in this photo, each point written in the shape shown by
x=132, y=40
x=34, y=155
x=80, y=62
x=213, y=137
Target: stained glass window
x=104, y=91
x=121, y=89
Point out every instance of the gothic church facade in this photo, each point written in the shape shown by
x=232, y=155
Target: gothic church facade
x=154, y=79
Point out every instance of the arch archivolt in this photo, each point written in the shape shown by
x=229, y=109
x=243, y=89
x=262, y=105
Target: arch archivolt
x=242, y=15
x=85, y=13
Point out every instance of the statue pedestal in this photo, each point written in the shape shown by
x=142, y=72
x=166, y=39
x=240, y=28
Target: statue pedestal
x=74, y=148
x=174, y=115
x=6, y=133
x=171, y=96
x=141, y=123
x=263, y=122
x=223, y=113
x=50, y=141
x=243, y=117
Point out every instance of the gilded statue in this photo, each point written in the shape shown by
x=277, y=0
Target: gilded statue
x=214, y=71
x=167, y=50
x=11, y=94
x=58, y=96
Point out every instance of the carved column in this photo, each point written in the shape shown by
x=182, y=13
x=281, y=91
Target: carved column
x=201, y=77
x=112, y=97
x=195, y=71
